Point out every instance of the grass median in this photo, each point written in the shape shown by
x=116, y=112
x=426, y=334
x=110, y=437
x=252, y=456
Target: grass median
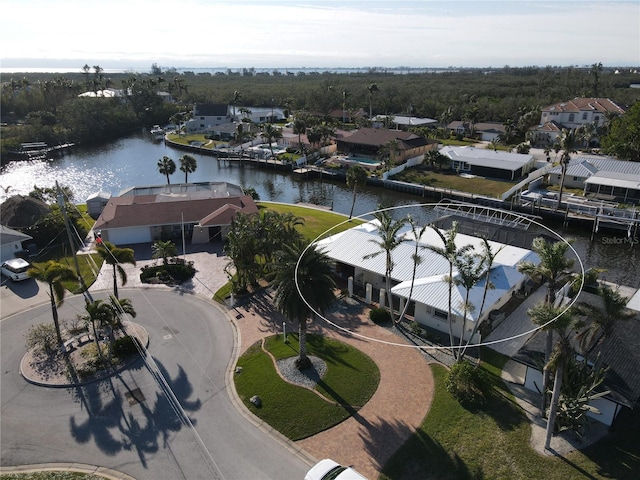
x=296, y=412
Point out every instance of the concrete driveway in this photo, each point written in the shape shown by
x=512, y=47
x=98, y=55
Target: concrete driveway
x=186, y=425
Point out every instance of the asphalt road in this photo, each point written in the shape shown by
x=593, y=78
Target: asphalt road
x=205, y=436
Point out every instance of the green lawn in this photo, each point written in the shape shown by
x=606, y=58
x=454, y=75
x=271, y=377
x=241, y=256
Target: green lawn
x=199, y=137
x=351, y=379
x=316, y=221
x=422, y=175
x=493, y=442
x=89, y=265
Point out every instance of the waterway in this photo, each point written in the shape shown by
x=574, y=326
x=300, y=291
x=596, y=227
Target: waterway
x=132, y=161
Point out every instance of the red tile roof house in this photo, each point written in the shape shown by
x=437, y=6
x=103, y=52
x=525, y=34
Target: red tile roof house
x=366, y=142
x=572, y=114
x=148, y=214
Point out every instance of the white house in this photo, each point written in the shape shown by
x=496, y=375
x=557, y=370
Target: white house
x=487, y=162
x=572, y=114
x=357, y=254
x=207, y=116
x=11, y=242
x=601, y=177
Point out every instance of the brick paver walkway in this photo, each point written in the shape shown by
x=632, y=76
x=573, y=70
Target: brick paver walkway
x=369, y=438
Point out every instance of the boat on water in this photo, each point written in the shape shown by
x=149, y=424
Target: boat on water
x=157, y=132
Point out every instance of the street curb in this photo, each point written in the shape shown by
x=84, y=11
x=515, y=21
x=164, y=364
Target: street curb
x=241, y=407
x=68, y=467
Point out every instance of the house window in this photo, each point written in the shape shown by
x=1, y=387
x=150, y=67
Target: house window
x=584, y=116
x=439, y=313
x=201, y=118
x=596, y=119
x=572, y=117
x=575, y=179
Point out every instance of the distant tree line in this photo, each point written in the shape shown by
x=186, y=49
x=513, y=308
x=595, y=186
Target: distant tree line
x=51, y=111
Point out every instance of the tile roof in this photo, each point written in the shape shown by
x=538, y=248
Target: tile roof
x=148, y=210
x=585, y=104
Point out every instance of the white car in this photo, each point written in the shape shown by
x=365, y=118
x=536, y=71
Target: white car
x=16, y=269
x=329, y=470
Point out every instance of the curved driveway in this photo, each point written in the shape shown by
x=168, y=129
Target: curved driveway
x=191, y=344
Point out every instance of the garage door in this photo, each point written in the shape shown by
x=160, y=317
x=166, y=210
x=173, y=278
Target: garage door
x=123, y=236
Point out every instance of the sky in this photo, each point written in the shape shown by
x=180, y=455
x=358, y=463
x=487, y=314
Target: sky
x=134, y=34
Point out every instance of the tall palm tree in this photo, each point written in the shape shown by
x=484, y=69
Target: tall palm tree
x=236, y=97
x=166, y=166
x=271, y=133
x=304, y=284
x=300, y=127
x=116, y=256
x=388, y=240
x=188, y=165
x=553, y=263
x=560, y=322
x=417, y=260
x=470, y=269
x=567, y=142
x=345, y=94
x=603, y=318
x=356, y=176
x=450, y=252
x=373, y=88
x=488, y=258
x=54, y=273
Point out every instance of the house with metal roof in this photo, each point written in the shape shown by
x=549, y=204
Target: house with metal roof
x=203, y=211
x=487, y=131
x=487, y=162
x=602, y=178
x=357, y=254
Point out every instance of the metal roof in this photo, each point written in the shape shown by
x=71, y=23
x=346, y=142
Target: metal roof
x=486, y=157
x=357, y=246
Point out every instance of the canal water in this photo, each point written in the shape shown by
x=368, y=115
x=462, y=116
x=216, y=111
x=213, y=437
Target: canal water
x=132, y=161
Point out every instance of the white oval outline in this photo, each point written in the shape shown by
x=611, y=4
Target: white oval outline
x=427, y=347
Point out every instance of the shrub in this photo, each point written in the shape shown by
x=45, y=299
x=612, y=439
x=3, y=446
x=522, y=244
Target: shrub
x=416, y=328
x=42, y=337
x=171, y=273
x=465, y=382
x=379, y=315
x=124, y=347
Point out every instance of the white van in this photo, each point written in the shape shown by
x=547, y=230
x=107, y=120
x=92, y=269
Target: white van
x=16, y=269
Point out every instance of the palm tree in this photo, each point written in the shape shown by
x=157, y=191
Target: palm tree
x=304, y=285
x=603, y=319
x=115, y=257
x=469, y=267
x=488, y=257
x=373, y=88
x=450, y=252
x=553, y=262
x=388, y=229
x=271, y=133
x=236, y=97
x=188, y=165
x=300, y=127
x=345, y=94
x=101, y=313
x=560, y=322
x=389, y=151
x=356, y=176
x=120, y=308
x=417, y=260
x=166, y=166
x=567, y=142
x=53, y=274
x=164, y=250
